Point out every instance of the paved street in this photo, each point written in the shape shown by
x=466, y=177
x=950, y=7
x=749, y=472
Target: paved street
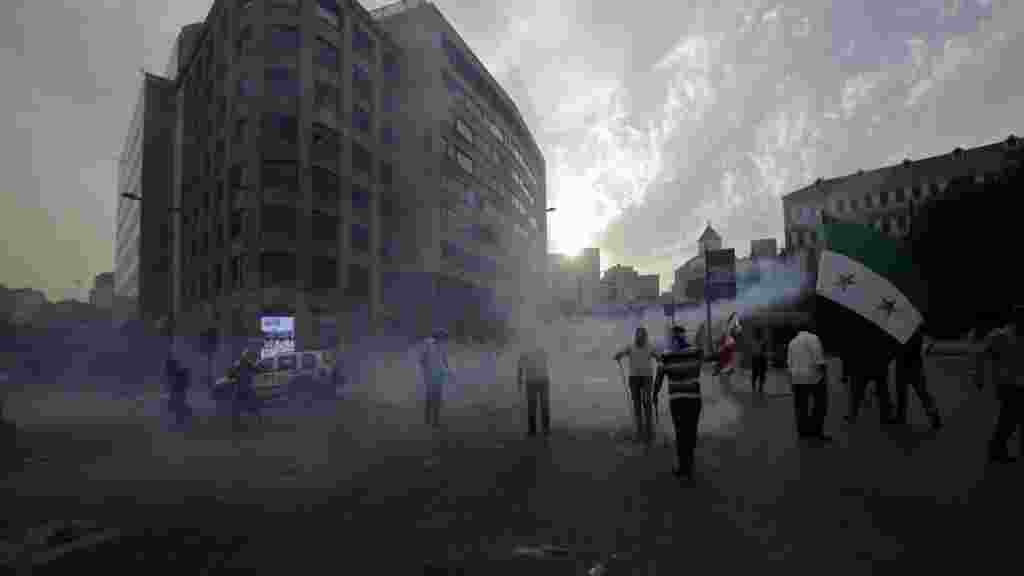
x=366, y=481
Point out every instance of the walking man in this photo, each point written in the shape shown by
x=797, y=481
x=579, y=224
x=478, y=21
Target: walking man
x=1006, y=354
x=640, y=355
x=759, y=362
x=533, y=375
x=912, y=375
x=681, y=364
x=809, y=378
x=244, y=397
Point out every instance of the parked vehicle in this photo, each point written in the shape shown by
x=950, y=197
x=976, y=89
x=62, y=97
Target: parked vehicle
x=302, y=378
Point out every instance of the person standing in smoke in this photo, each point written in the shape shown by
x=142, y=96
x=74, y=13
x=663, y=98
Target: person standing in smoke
x=681, y=364
x=727, y=357
x=758, y=362
x=436, y=371
x=912, y=375
x=640, y=355
x=533, y=375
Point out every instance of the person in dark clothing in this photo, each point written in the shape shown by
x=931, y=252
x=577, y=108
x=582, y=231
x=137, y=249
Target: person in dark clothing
x=759, y=362
x=534, y=376
x=244, y=398
x=1006, y=355
x=912, y=375
x=862, y=373
x=681, y=364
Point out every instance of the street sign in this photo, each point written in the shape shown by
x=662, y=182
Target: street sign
x=721, y=274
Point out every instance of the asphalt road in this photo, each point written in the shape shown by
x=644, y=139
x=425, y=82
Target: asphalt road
x=364, y=487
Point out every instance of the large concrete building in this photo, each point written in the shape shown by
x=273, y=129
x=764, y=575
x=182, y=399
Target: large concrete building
x=142, y=247
x=885, y=197
x=575, y=282
x=340, y=167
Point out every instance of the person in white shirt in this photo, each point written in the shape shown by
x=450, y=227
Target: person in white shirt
x=808, y=376
x=641, y=375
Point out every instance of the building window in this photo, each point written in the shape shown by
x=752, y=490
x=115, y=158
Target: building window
x=325, y=273
x=388, y=134
x=326, y=102
x=361, y=201
x=917, y=192
x=358, y=281
x=237, y=223
x=362, y=160
x=243, y=41
x=284, y=38
x=389, y=100
x=282, y=176
x=854, y=205
x=361, y=41
x=218, y=285
x=244, y=5
x=361, y=83
x=387, y=207
x=239, y=176
x=327, y=10
x=464, y=130
x=899, y=195
x=278, y=269
x=325, y=184
x=360, y=118
x=903, y=221
x=883, y=198
x=327, y=55
x=360, y=238
x=389, y=66
x=238, y=265
x=278, y=221
x=386, y=173
x=387, y=247
x=326, y=144
x=868, y=204
x=283, y=82
x=245, y=86
x=840, y=205
x=280, y=128
x=325, y=227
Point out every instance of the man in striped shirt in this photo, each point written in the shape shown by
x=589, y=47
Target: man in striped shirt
x=681, y=364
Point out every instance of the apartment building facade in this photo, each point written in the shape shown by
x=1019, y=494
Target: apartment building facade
x=326, y=168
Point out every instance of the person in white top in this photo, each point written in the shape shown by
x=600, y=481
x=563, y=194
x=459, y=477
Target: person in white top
x=641, y=375
x=808, y=376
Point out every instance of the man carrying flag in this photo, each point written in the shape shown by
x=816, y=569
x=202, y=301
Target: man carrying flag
x=871, y=301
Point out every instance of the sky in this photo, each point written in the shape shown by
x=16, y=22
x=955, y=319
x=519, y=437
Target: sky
x=653, y=122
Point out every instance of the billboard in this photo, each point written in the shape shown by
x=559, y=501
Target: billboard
x=278, y=335
x=721, y=273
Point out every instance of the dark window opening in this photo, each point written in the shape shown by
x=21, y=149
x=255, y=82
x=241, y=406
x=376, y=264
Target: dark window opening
x=326, y=144
x=281, y=176
x=327, y=10
x=360, y=118
x=325, y=184
x=388, y=134
x=899, y=195
x=883, y=198
x=389, y=66
x=239, y=176
x=361, y=40
x=361, y=200
x=282, y=82
x=362, y=159
x=279, y=221
x=324, y=273
x=284, y=38
x=386, y=173
x=278, y=269
x=237, y=223
x=280, y=128
x=360, y=238
x=358, y=281
x=327, y=55
x=325, y=227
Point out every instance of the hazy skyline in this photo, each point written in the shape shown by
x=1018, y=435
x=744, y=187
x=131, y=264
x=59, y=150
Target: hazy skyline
x=652, y=121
